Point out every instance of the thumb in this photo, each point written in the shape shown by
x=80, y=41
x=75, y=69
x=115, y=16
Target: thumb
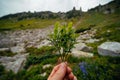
x=61, y=72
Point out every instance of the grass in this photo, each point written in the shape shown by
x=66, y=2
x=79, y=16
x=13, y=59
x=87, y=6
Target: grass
x=107, y=26
x=98, y=68
x=7, y=53
x=12, y=24
x=90, y=20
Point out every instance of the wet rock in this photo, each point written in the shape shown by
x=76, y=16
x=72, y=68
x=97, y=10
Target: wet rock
x=109, y=49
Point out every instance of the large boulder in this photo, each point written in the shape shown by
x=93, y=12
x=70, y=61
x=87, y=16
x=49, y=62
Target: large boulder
x=14, y=63
x=109, y=49
x=82, y=47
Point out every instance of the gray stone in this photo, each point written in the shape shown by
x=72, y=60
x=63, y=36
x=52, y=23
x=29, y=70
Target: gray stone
x=14, y=63
x=47, y=66
x=79, y=54
x=44, y=43
x=92, y=40
x=4, y=49
x=82, y=47
x=18, y=49
x=109, y=49
x=43, y=74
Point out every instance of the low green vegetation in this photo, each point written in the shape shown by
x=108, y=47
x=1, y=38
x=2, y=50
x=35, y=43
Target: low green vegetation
x=13, y=24
x=90, y=20
x=107, y=26
x=33, y=23
x=96, y=68
x=7, y=53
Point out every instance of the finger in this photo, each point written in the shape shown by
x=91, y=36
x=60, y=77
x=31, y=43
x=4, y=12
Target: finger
x=61, y=72
x=69, y=70
x=54, y=70
x=71, y=76
x=75, y=78
x=66, y=78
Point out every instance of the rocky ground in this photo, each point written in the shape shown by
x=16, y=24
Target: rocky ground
x=29, y=37
x=17, y=41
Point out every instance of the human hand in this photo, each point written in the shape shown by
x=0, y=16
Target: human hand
x=61, y=72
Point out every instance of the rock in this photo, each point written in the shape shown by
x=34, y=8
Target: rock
x=109, y=49
x=44, y=43
x=14, y=63
x=43, y=74
x=18, y=49
x=4, y=49
x=82, y=47
x=13, y=38
x=79, y=54
x=92, y=40
x=47, y=66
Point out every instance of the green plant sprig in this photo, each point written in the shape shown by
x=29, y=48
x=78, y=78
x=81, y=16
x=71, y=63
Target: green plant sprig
x=63, y=38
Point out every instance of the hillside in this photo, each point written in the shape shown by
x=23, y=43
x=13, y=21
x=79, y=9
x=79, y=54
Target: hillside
x=27, y=54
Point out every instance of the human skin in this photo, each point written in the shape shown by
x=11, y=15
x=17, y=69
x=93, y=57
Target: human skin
x=62, y=72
